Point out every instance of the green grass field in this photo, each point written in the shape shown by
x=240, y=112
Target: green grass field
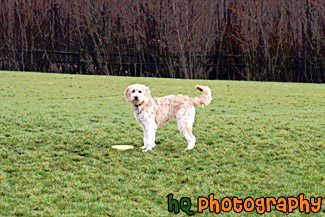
x=56, y=131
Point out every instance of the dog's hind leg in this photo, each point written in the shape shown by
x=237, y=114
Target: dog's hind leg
x=185, y=120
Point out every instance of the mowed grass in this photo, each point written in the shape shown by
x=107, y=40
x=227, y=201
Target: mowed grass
x=256, y=139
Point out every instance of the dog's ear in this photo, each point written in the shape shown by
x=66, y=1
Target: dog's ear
x=148, y=92
x=127, y=94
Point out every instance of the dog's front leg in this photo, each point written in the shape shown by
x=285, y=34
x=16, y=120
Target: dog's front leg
x=145, y=138
x=151, y=135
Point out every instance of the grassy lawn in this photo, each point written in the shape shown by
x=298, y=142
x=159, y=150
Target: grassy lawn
x=56, y=131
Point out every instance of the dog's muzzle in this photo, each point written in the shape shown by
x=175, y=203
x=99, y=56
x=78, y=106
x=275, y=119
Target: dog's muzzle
x=136, y=101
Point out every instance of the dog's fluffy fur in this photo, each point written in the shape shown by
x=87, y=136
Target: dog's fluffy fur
x=153, y=112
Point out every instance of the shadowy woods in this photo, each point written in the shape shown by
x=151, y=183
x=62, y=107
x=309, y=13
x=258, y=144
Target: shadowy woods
x=204, y=39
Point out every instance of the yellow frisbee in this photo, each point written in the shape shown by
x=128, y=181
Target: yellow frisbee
x=123, y=147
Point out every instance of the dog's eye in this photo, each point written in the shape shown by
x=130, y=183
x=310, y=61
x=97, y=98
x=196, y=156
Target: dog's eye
x=140, y=91
x=133, y=91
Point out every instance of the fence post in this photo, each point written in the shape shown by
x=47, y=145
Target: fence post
x=222, y=61
x=79, y=63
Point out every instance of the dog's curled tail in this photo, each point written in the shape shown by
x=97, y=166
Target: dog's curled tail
x=204, y=99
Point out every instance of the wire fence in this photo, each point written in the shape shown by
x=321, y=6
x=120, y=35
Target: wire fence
x=215, y=66
x=40, y=61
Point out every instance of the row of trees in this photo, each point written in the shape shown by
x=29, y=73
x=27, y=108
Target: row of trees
x=281, y=40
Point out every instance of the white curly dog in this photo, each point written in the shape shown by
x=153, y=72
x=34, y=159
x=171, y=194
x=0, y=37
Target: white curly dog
x=153, y=112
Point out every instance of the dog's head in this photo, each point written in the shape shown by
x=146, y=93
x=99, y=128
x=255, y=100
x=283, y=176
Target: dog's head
x=137, y=94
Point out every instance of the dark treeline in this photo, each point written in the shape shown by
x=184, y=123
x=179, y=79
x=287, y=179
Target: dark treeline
x=268, y=40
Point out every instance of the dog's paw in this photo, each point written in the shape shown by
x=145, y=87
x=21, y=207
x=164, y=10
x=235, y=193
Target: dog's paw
x=147, y=149
x=143, y=147
x=188, y=148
